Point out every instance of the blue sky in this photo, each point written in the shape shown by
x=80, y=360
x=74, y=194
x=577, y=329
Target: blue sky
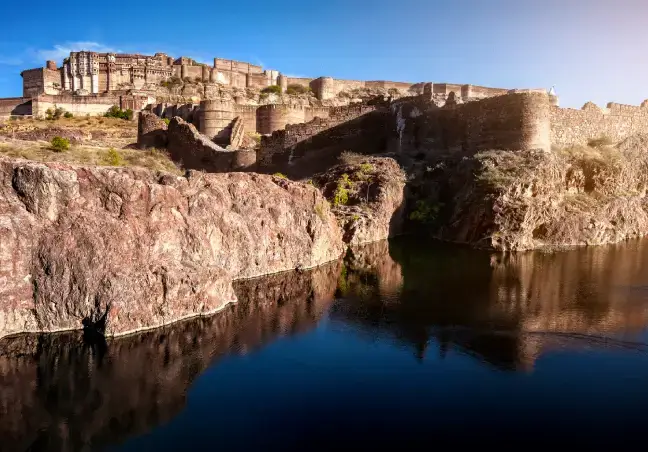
x=590, y=49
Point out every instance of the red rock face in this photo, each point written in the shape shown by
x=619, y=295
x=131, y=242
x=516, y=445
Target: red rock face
x=142, y=248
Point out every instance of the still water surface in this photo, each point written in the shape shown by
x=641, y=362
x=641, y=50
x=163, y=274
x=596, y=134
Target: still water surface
x=402, y=344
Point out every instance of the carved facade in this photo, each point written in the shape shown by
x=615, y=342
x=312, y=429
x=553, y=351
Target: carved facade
x=84, y=73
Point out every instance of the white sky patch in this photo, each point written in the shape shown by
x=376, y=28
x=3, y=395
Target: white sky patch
x=61, y=51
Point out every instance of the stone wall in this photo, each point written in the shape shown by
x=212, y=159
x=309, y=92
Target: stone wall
x=276, y=117
x=303, y=81
x=282, y=140
x=238, y=133
x=617, y=121
x=15, y=106
x=302, y=150
x=513, y=121
x=248, y=114
x=192, y=150
x=151, y=131
x=33, y=82
x=92, y=105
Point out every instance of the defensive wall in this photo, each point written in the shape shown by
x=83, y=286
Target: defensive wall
x=93, y=104
x=292, y=134
x=15, y=106
x=617, y=121
x=512, y=121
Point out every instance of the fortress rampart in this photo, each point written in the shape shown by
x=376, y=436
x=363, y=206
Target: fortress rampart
x=616, y=121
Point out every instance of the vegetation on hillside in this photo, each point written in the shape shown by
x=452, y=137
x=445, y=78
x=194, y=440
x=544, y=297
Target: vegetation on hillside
x=516, y=200
x=153, y=159
x=116, y=112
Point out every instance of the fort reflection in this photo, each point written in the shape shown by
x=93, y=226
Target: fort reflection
x=505, y=310
x=61, y=394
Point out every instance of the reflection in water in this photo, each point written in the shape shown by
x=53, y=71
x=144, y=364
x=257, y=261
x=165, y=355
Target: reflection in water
x=504, y=309
x=435, y=301
x=61, y=394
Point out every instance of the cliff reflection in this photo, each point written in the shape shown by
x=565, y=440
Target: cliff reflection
x=59, y=393
x=505, y=310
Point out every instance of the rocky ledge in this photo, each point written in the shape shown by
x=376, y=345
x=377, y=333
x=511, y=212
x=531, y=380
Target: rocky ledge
x=142, y=249
x=367, y=195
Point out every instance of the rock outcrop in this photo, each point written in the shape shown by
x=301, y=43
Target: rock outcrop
x=145, y=249
x=367, y=197
x=193, y=150
x=521, y=200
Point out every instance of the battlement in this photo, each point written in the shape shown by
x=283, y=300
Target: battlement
x=570, y=126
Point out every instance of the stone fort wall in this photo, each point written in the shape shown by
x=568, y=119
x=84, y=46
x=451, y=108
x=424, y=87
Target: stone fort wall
x=15, y=106
x=512, y=121
x=616, y=121
x=93, y=105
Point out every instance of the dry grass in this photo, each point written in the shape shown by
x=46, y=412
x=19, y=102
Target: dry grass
x=351, y=158
x=92, y=130
x=79, y=121
x=152, y=159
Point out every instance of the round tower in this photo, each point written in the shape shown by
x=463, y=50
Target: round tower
x=324, y=88
x=276, y=117
x=215, y=117
x=282, y=81
x=205, y=73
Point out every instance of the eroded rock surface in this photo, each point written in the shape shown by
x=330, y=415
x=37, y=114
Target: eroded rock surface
x=145, y=248
x=367, y=198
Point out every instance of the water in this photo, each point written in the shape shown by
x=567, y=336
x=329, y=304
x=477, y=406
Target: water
x=403, y=345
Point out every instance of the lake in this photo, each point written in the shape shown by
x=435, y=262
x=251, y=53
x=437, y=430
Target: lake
x=403, y=344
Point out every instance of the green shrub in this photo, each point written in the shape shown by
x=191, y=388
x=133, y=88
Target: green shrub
x=60, y=144
x=295, y=88
x=280, y=175
x=116, y=112
x=425, y=212
x=113, y=158
x=52, y=114
x=166, y=121
x=366, y=168
x=68, y=115
x=341, y=195
x=272, y=89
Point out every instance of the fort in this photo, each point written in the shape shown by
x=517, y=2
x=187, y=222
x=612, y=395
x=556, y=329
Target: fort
x=229, y=100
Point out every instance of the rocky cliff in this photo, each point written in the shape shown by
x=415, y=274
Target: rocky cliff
x=143, y=249
x=520, y=200
x=367, y=195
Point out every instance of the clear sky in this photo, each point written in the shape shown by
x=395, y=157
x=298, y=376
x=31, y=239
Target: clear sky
x=590, y=49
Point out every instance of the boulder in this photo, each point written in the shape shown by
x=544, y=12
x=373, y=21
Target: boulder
x=143, y=249
x=367, y=196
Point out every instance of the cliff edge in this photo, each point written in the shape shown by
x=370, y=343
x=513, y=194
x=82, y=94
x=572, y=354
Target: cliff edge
x=521, y=200
x=142, y=249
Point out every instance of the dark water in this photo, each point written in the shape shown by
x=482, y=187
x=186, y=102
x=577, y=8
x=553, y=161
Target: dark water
x=404, y=345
